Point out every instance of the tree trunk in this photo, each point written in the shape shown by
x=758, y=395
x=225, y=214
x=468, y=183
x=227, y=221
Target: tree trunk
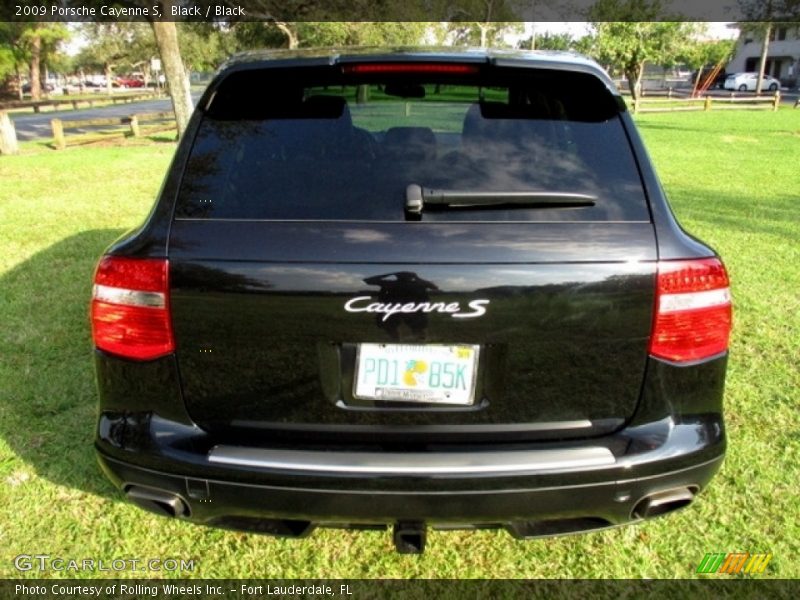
x=8, y=136
x=36, y=61
x=108, y=74
x=634, y=77
x=763, y=63
x=362, y=94
x=19, y=82
x=167, y=40
x=291, y=36
x=484, y=29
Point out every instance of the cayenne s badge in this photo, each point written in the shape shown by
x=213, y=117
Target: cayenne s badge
x=363, y=304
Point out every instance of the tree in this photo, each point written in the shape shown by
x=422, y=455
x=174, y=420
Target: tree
x=202, y=46
x=13, y=52
x=482, y=33
x=328, y=33
x=304, y=23
x=166, y=35
x=30, y=45
x=116, y=46
x=628, y=34
x=698, y=53
x=478, y=22
x=548, y=41
x=361, y=33
x=256, y=34
x=45, y=39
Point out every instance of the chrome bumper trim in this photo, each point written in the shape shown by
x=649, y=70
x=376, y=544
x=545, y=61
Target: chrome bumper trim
x=414, y=463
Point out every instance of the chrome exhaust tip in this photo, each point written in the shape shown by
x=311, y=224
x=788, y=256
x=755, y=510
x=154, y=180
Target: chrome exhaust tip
x=664, y=502
x=159, y=502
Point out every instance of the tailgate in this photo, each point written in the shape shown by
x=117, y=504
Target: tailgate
x=265, y=341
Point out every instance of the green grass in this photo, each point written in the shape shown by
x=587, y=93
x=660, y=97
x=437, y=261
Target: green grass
x=733, y=179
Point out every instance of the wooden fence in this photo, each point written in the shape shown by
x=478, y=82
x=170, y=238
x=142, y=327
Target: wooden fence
x=671, y=103
x=78, y=102
x=101, y=129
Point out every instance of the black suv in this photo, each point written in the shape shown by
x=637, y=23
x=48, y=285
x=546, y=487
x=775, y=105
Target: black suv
x=411, y=289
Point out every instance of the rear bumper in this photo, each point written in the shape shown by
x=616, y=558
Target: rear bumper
x=669, y=450
x=563, y=489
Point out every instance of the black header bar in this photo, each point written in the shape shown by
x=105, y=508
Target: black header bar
x=398, y=10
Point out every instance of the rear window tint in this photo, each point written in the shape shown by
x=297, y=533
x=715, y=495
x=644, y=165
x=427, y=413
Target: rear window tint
x=316, y=144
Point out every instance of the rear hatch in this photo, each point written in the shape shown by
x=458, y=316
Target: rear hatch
x=411, y=252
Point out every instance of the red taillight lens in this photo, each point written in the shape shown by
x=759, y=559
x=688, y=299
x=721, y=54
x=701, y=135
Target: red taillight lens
x=130, y=308
x=380, y=68
x=693, y=310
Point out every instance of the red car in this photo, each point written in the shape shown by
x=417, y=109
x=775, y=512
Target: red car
x=130, y=82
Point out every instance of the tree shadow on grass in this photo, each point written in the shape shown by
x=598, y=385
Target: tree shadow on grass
x=644, y=125
x=48, y=404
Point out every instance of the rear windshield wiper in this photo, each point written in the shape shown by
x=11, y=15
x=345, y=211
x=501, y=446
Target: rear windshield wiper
x=417, y=198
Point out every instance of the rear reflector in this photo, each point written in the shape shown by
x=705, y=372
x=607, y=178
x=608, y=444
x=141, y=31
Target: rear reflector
x=693, y=310
x=130, y=308
x=370, y=68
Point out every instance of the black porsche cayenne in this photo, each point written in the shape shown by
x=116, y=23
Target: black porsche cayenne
x=409, y=289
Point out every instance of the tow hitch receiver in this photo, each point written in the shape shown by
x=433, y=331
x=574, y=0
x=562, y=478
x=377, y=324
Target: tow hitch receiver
x=409, y=537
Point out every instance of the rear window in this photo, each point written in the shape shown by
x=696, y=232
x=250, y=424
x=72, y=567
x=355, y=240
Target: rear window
x=328, y=144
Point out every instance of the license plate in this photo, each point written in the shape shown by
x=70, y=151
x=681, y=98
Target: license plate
x=423, y=373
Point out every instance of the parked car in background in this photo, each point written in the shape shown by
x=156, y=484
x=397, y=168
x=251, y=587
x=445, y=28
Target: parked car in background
x=99, y=82
x=747, y=82
x=46, y=88
x=411, y=289
x=130, y=82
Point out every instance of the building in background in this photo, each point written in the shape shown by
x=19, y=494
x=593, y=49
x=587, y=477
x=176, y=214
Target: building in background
x=783, y=57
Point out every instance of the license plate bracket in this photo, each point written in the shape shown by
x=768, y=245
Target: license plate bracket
x=424, y=374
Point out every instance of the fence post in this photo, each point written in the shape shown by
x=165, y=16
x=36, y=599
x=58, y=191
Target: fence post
x=8, y=135
x=776, y=100
x=707, y=103
x=58, y=134
x=135, y=126
x=669, y=92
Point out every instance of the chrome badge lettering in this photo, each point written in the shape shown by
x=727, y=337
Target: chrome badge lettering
x=363, y=304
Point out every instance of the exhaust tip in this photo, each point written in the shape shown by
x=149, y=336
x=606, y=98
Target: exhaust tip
x=159, y=502
x=409, y=537
x=664, y=502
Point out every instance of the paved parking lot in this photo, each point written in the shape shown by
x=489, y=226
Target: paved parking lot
x=37, y=125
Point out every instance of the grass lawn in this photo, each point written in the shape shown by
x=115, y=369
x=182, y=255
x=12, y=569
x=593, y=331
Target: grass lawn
x=733, y=179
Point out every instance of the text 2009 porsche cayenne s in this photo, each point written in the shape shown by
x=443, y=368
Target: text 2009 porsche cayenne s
x=411, y=289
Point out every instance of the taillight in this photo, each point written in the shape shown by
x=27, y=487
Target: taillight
x=693, y=310
x=130, y=307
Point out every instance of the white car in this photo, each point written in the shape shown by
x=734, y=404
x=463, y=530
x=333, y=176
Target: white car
x=746, y=82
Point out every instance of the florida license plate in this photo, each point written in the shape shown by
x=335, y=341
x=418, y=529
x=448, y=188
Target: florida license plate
x=423, y=373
